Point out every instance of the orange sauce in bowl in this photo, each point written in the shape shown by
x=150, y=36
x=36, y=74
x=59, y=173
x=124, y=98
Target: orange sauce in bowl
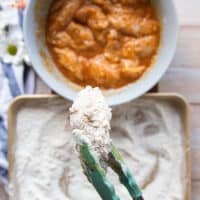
x=104, y=43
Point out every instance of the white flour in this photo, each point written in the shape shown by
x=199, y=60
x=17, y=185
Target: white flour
x=90, y=119
x=148, y=133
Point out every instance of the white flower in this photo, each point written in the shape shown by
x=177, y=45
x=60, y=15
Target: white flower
x=15, y=32
x=6, y=3
x=2, y=34
x=12, y=50
x=8, y=16
x=26, y=59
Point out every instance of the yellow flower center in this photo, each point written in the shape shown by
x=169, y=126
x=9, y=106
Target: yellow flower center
x=12, y=49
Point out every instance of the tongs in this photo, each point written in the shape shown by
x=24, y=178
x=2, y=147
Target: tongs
x=96, y=174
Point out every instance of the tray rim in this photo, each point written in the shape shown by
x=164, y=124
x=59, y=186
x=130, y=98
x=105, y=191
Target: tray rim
x=170, y=96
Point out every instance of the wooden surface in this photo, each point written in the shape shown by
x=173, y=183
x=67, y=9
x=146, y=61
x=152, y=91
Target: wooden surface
x=182, y=77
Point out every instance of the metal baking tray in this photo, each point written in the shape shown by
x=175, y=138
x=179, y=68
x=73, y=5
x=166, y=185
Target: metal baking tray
x=176, y=99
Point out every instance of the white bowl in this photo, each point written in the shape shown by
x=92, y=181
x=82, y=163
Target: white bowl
x=34, y=32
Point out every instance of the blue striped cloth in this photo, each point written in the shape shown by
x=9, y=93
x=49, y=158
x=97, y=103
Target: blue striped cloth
x=15, y=79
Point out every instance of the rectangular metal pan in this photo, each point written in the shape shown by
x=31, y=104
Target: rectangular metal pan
x=178, y=101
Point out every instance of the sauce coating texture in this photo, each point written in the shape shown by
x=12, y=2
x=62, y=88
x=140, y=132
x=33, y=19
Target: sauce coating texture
x=104, y=43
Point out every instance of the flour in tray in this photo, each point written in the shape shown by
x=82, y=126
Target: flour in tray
x=149, y=134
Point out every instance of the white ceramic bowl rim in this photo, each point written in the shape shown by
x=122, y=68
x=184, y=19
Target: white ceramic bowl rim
x=165, y=55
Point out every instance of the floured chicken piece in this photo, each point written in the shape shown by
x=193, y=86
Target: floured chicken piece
x=90, y=119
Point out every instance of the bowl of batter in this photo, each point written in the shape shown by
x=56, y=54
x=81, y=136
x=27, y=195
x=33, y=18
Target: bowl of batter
x=122, y=46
